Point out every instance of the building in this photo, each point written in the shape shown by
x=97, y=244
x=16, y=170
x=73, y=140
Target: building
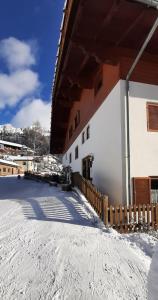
x=9, y=168
x=25, y=163
x=105, y=118
x=13, y=148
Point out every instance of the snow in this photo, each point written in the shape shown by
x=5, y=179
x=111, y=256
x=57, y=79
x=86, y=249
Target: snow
x=12, y=144
x=9, y=163
x=53, y=246
x=19, y=158
x=153, y=277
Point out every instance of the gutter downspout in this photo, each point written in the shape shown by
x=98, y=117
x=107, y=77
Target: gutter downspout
x=128, y=168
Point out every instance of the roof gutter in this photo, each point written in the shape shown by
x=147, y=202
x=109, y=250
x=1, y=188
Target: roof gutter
x=141, y=51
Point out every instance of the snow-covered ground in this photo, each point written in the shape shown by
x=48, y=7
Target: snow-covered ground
x=52, y=246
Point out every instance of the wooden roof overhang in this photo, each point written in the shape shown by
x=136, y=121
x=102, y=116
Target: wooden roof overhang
x=93, y=33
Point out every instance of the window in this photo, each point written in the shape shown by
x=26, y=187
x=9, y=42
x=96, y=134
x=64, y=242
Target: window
x=24, y=163
x=70, y=132
x=88, y=132
x=77, y=119
x=4, y=169
x=98, y=82
x=70, y=158
x=8, y=169
x=152, y=116
x=83, y=137
x=76, y=152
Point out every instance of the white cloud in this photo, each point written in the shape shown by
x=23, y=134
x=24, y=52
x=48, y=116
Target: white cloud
x=21, y=84
x=17, y=54
x=32, y=111
x=17, y=85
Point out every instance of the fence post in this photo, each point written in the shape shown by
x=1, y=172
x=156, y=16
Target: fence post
x=104, y=208
x=156, y=208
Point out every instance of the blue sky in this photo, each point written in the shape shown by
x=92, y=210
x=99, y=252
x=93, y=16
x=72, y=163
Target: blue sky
x=28, y=44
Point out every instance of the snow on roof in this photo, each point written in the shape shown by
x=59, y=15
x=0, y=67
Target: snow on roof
x=12, y=144
x=19, y=158
x=10, y=163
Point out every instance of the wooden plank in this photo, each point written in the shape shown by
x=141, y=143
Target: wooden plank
x=95, y=200
x=100, y=205
x=141, y=190
x=125, y=219
x=121, y=219
x=134, y=210
x=91, y=195
x=121, y=215
x=156, y=208
x=148, y=214
x=152, y=215
x=116, y=216
x=130, y=214
x=139, y=214
x=105, y=210
x=143, y=214
x=111, y=215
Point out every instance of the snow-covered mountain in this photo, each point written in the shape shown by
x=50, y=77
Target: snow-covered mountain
x=8, y=128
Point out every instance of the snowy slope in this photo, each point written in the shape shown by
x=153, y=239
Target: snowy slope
x=153, y=277
x=51, y=247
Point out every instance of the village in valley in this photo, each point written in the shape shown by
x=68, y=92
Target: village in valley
x=17, y=159
x=79, y=154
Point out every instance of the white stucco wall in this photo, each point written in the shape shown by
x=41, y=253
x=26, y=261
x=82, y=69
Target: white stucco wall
x=107, y=141
x=143, y=144
x=105, y=144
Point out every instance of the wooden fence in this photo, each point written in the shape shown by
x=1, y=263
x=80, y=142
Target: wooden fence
x=132, y=218
x=97, y=200
x=122, y=218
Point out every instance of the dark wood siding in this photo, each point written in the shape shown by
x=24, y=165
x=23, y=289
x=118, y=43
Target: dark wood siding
x=141, y=190
x=152, y=116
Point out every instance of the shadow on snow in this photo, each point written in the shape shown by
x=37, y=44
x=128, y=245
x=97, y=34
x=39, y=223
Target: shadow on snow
x=41, y=202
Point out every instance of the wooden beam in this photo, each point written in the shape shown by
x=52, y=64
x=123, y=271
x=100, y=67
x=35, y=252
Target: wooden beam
x=64, y=103
x=97, y=50
x=130, y=28
x=109, y=16
x=75, y=93
x=61, y=125
x=86, y=82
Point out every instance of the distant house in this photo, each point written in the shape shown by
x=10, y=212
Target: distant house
x=104, y=122
x=9, y=168
x=13, y=148
x=26, y=163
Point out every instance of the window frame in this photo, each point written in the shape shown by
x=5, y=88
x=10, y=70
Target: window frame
x=76, y=152
x=70, y=158
x=148, y=116
x=88, y=132
x=83, y=137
